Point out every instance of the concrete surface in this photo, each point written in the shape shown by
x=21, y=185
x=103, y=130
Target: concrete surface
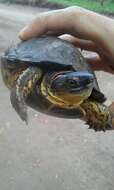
x=50, y=153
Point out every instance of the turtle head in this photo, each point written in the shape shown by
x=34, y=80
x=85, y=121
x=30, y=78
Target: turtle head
x=70, y=88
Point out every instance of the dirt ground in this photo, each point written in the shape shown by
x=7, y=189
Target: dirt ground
x=50, y=153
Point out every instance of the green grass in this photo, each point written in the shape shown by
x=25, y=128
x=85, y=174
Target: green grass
x=89, y=4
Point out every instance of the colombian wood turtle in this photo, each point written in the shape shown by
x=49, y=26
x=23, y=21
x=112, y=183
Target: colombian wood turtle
x=51, y=76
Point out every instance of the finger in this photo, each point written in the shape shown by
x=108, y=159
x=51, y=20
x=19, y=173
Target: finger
x=49, y=21
x=91, y=46
x=98, y=64
x=80, y=43
x=55, y=33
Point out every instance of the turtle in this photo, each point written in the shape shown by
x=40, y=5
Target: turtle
x=51, y=76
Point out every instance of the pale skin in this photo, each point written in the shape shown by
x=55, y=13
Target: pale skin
x=85, y=29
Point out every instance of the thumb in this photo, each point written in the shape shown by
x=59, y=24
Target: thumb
x=99, y=64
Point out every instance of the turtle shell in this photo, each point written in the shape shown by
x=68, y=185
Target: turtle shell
x=53, y=54
x=50, y=53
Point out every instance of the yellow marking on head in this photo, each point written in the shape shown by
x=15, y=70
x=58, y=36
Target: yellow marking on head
x=30, y=84
x=64, y=100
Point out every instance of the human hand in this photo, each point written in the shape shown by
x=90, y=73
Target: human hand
x=86, y=30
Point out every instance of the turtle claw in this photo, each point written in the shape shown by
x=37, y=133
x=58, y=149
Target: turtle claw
x=22, y=111
x=87, y=123
x=19, y=105
x=99, y=127
x=23, y=114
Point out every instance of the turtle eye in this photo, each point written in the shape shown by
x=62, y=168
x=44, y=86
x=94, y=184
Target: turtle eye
x=71, y=83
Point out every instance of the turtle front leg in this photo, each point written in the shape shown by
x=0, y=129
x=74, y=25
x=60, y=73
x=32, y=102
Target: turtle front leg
x=22, y=88
x=98, y=116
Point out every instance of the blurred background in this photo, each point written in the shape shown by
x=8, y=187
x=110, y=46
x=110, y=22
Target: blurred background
x=96, y=5
x=51, y=153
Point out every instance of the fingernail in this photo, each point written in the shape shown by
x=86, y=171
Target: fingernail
x=22, y=33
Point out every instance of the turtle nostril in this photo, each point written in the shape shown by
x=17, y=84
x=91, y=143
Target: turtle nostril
x=89, y=80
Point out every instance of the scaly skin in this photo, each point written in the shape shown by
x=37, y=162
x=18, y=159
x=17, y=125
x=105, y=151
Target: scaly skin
x=97, y=115
x=10, y=77
x=22, y=88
